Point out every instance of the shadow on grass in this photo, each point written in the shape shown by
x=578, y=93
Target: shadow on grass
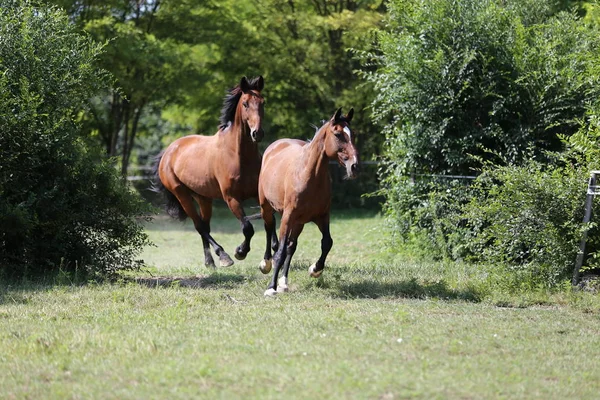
x=22, y=293
x=227, y=281
x=406, y=289
x=15, y=296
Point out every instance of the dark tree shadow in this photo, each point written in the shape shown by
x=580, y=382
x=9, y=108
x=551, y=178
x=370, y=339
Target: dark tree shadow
x=22, y=293
x=405, y=289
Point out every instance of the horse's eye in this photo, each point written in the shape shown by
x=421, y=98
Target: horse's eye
x=245, y=104
x=339, y=135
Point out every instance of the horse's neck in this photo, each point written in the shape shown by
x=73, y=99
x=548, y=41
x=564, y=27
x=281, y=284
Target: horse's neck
x=237, y=139
x=314, y=158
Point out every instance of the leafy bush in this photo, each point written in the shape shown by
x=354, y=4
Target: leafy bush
x=457, y=78
x=474, y=83
x=59, y=210
x=527, y=220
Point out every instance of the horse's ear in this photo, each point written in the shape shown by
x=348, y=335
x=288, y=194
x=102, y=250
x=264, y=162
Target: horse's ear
x=337, y=115
x=260, y=84
x=350, y=115
x=244, y=85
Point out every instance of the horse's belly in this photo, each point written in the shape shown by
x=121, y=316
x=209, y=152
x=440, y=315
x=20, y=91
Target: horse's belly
x=204, y=186
x=271, y=185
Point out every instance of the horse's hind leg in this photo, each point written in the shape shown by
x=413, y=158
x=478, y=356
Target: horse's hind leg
x=202, y=227
x=206, y=212
x=208, y=258
x=316, y=269
x=269, y=220
x=282, y=283
x=274, y=241
x=287, y=246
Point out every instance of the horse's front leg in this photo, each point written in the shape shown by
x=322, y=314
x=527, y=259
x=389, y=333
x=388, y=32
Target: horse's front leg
x=316, y=269
x=247, y=229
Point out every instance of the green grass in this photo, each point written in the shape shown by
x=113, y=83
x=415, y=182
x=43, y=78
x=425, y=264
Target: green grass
x=376, y=326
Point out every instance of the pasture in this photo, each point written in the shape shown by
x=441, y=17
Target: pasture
x=374, y=326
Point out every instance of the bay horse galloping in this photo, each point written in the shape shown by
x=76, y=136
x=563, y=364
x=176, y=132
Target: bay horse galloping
x=295, y=181
x=225, y=165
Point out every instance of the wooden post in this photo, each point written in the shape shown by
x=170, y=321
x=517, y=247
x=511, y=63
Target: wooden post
x=591, y=192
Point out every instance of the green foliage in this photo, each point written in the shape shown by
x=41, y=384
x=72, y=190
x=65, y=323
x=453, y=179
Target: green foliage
x=174, y=60
x=58, y=208
x=527, y=221
x=457, y=78
x=478, y=84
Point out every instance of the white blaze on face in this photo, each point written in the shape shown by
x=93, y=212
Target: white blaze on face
x=348, y=132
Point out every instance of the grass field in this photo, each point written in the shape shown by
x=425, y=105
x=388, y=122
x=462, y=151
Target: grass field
x=376, y=326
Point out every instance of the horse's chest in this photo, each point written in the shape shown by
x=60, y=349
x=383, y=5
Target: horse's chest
x=244, y=181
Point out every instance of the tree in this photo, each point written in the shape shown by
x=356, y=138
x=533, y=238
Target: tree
x=173, y=61
x=59, y=208
x=152, y=67
x=307, y=51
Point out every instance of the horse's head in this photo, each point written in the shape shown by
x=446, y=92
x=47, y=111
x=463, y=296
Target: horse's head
x=340, y=144
x=252, y=107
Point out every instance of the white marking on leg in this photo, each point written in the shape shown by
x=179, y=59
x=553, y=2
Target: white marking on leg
x=313, y=272
x=265, y=266
x=282, y=284
x=270, y=292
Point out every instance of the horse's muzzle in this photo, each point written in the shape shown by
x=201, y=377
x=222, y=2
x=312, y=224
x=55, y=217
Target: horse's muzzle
x=351, y=169
x=256, y=134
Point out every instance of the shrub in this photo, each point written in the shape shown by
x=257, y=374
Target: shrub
x=457, y=79
x=526, y=220
x=59, y=209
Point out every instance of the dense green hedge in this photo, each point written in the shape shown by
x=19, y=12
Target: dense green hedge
x=59, y=209
x=485, y=87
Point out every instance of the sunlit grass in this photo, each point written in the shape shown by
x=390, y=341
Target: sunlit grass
x=375, y=326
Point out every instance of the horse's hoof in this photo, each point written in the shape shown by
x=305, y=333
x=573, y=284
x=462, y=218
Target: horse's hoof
x=265, y=266
x=225, y=261
x=270, y=292
x=282, y=285
x=313, y=272
x=239, y=254
x=209, y=261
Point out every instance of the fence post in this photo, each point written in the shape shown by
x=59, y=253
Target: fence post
x=591, y=192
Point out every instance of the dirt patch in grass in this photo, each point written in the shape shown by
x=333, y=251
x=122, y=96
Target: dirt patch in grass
x=223, y=280
x=199, y=281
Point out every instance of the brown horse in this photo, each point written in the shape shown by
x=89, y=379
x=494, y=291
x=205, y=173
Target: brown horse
x=295, y=181
x=225, y=165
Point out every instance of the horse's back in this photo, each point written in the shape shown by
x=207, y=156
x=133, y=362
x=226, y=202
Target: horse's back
x=282, y=145
x=279, y=155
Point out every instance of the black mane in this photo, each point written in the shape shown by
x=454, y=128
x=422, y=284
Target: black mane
x=231, y=100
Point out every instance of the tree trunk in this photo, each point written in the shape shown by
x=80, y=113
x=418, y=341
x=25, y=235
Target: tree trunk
x=129, y=139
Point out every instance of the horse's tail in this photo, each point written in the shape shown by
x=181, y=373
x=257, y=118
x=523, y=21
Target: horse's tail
x=254, y=217
x=172, y=205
